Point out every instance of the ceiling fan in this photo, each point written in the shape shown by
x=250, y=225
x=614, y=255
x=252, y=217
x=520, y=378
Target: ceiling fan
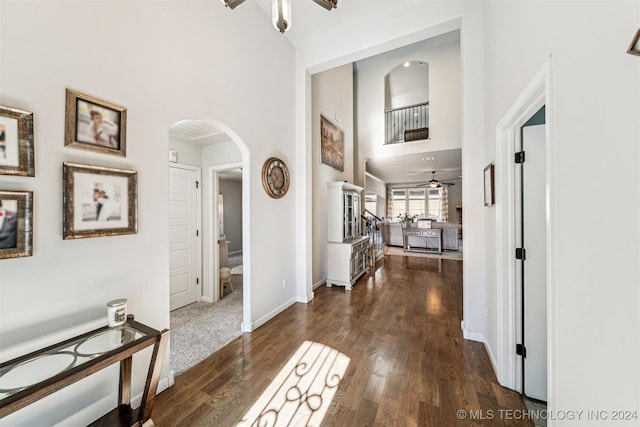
x=434, y=183
x=281, y=10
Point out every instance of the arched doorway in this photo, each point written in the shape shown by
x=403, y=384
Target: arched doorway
x=209, y=147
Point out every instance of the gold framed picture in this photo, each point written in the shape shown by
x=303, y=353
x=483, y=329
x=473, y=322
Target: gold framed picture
x=16, y=142
x=331, y=144
x=16, y=224
x=95, y=124
x=99, y=201
x=634, y=47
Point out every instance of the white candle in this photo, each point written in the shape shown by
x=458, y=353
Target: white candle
x=117, y=312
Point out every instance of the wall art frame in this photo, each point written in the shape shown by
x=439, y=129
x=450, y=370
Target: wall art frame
x=99, y=201
x=634, y=47
x=489, y=185
x=16, y=142
x=331, y=144
x=95, y=124
x=16, y=224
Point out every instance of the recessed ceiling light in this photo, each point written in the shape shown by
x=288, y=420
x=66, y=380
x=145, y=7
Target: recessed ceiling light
x=428, y=158
x=406, y=64
x=397, y=166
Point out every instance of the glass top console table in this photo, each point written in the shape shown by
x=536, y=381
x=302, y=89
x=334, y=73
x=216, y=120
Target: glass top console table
x=430, y=234
x=31, y=377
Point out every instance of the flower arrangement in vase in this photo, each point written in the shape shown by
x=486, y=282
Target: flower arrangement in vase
x=406, y=219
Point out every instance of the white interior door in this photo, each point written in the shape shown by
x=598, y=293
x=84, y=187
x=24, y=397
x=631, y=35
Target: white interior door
x=184, y=239
x=535, y=265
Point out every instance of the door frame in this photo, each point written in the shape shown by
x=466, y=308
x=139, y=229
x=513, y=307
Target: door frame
x=198, y=193
x=527, y=172
x=212, y=239
x=537, y=93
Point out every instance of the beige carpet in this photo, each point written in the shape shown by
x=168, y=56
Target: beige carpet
x=396, y=250
x=200, y=329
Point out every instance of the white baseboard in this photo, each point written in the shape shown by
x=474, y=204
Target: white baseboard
x=273, y=313
x=476, y=336
x=105, y=404
x=471, y=335
x=491, y=358
x=318, y=284
x=207, y=299
x=89, y=413
x=305, y=299
x=166, y=382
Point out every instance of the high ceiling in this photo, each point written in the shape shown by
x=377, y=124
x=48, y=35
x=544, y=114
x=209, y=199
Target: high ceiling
x=412, y=169
x=310, y=21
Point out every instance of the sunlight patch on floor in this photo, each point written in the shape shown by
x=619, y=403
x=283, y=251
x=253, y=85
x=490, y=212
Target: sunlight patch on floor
x=302, y=392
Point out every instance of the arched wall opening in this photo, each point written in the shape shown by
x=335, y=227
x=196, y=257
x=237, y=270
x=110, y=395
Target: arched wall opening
x=212, y=147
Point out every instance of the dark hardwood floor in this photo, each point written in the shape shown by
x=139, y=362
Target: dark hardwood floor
x=410, y=366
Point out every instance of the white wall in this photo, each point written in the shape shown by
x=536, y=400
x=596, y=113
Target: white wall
x=405, y=86
x=374, y=185
x=161, y=60
x=595, y=335
x=188, y=153
x=445, y=130
x=333, y=98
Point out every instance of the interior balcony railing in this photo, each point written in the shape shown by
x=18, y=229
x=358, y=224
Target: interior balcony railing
x=373, y=227
x=407, y=124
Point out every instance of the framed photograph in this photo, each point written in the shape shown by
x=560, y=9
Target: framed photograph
x=424, y=223
x=16, y=142
x=331, y=144
x=489, y=186
x=94, y=124
x=99, y=201
x=16, y=224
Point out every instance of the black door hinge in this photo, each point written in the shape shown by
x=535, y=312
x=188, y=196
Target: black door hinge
x=197, y=233
x=197, y=184
x=519, y=157
x=197, y=280
x=521, y=350
x=521, y=253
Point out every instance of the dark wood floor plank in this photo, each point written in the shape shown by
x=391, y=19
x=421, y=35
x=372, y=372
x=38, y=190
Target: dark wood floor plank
x=400, y=327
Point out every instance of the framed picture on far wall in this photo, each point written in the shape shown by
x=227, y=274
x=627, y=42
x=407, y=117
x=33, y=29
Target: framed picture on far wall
x=99, y=201
x=331, y=144
x=489, y=185
x=16, y=224
x=16, y=142
x=94, y=124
